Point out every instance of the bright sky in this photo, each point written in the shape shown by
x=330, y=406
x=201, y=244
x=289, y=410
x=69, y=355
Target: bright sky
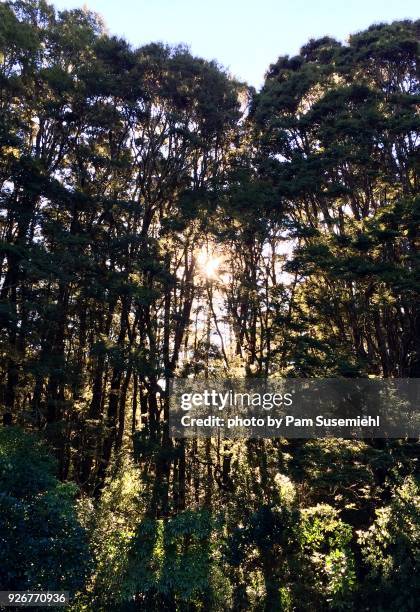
x=243, y=35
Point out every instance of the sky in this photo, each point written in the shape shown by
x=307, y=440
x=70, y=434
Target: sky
x=245, y=36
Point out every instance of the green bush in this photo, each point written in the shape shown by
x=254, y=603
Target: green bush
x=42, y=545
x=391, y=552
x=326, y=546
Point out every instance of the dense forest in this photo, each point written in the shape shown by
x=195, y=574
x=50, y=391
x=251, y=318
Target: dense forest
x=159, y=219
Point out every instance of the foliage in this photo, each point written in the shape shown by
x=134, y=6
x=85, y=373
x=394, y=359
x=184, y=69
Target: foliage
x=42, y=543
x=391, y=550
x=326, y=542
x=160, y=564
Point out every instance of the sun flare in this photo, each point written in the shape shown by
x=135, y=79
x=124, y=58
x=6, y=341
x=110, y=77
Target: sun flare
x=209, y=264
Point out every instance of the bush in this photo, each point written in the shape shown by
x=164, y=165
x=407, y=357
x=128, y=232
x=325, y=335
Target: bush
x=326, y=544
x=391, y=551
x=42, y=545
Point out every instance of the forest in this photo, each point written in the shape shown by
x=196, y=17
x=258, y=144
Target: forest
x=161, y=220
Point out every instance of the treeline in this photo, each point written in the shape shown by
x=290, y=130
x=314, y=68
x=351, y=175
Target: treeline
x=159, y=219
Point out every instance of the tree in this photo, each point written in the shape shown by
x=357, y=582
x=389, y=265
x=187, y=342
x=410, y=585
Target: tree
x=338, y=126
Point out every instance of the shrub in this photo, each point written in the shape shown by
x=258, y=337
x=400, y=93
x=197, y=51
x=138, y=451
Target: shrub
x=42, y=544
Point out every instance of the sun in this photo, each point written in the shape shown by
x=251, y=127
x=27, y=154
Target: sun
x=209, y=264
